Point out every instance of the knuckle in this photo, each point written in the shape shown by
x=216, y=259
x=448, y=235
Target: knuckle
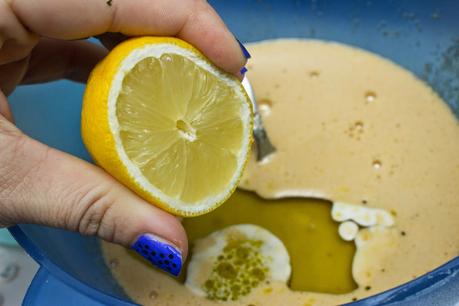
x=16, y=41
x=115, y=22
x=93, y=216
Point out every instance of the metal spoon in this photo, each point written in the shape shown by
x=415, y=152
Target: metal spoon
x=262, y=142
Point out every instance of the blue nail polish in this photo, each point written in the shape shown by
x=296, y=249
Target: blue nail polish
x=243, y=71
x=159, y=253
x=244, y=50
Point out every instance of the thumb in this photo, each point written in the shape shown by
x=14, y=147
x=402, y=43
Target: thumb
x=44, y=186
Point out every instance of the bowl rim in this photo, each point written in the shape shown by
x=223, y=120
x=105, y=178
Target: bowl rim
x=436, y=277
x=80, y=286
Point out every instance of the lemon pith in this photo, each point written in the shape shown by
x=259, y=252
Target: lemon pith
x=168, y=124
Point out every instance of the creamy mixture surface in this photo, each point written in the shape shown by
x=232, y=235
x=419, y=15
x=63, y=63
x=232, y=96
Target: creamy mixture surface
x=354, y=129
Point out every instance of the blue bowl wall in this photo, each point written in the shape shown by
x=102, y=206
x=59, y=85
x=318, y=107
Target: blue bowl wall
x=422, y=36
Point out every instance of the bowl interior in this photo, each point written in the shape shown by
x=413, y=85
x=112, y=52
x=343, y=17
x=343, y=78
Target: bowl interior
x=422, y=36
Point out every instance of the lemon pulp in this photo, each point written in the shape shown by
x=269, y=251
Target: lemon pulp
x=175, y=129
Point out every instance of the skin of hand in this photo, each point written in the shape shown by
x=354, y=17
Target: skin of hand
x=40, y=41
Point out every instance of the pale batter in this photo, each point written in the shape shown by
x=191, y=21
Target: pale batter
x=350, y=127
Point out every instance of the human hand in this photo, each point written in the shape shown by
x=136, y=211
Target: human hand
x=39, y=43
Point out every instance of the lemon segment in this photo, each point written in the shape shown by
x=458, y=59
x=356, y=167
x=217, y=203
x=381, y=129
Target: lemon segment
x=167, y=123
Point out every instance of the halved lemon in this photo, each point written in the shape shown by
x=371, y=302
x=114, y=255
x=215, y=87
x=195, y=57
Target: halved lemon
x=167, y=123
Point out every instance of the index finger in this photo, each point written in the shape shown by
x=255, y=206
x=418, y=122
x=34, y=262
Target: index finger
x=194, y=21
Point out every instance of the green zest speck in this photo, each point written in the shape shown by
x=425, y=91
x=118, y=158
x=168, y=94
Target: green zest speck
x=240, y=268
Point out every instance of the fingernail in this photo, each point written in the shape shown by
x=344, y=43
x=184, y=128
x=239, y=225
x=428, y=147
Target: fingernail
x=244, y=50
x=243, y=71
x=159, y=253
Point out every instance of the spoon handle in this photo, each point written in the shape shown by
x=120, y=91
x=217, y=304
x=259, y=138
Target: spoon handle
x=262, y=142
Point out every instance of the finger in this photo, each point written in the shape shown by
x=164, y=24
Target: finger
x=54, y=59
x=12, y=73
x=15, y=40
x=207, y=32
x=45, y=186
x=194, y=21
x=5, y=110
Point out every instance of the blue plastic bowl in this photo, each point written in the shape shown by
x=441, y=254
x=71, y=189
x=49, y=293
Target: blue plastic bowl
x=422, y=36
